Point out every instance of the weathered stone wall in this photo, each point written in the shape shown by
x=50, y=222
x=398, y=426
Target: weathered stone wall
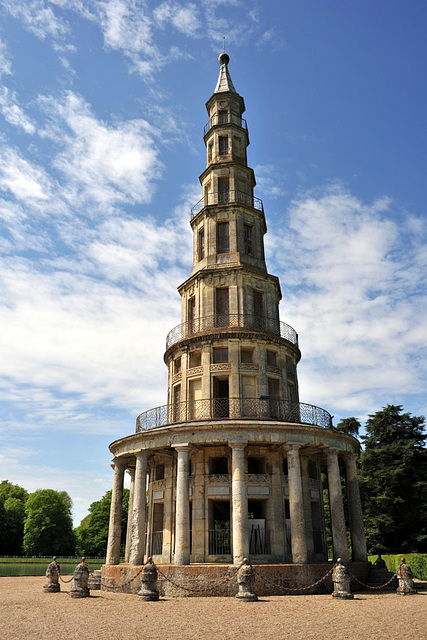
x=220, y=580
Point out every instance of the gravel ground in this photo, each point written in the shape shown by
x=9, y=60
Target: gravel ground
x=27, y=613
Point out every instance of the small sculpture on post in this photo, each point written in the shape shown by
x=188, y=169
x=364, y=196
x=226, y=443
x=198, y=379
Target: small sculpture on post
x=341, y=580
x=81, y=576
x=149, y=591
x=246, y=580
x=406, y=579
x=52, y=578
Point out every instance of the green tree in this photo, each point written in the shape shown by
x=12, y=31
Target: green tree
x=92, y=534
x=12, y=514
x=393, y=477
x=350, y=426
x=48, y=528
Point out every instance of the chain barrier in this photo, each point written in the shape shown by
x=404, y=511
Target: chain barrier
x=121, y=586
x=279, y=586
x=207, y=590
x=376, y=588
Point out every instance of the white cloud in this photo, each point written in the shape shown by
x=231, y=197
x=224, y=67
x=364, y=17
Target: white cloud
x=37, y=16
x=184, y=18
x=25, y=181
x=355, y=283
x=5, y=64
x=13, y=113
x=105, y=164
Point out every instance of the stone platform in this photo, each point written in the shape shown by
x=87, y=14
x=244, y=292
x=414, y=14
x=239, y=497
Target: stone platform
x=220, y=579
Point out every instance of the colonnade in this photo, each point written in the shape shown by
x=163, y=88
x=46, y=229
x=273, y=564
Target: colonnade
x=300, y=542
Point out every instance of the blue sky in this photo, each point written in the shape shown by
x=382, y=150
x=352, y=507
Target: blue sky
x=101, y=124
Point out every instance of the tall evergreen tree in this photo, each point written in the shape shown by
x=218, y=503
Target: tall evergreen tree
x=393, y=475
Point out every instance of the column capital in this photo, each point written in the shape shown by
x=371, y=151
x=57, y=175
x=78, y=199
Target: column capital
x=142, y=454
x=238, y=444
x=293, y=446
x=183, y=447
x=350, y=456
x=120, y=463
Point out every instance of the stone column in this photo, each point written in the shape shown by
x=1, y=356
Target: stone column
x=240, y=502
x=296, y=507
x=182, y=509
x=131, y=472
x=114, y=528
x=137, y=516
x=357, y=531
x=276, y=508
x=306, y=489
x=339, y=535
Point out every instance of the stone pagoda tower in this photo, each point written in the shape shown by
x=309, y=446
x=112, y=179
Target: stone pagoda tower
x=231, y=466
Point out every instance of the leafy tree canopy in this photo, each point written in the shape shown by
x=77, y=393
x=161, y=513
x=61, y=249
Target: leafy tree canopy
x=92, y=534
x=12, y=514
x=350, y=426
x=48, y=528
x=393, y=475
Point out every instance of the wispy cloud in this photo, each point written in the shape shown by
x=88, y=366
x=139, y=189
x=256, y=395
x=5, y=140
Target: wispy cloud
x=13, y=112
x=354, y=277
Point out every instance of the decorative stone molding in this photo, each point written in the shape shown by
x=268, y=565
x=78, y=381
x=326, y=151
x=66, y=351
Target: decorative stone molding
x=176, y=378
x=213, y=478
x=158, y=484
x=248, y=366
x=257, y=477
x=194, y=371
x=224, y=366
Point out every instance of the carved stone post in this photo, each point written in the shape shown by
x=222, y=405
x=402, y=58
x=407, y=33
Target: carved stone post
x=240, y=502
x=79, y=588
x=406, y=579
x=52, y=578
x=137, y=545
x=182, y=515
x=246, y=581
x=114, y=529
x=341, y=580
x=149, y=591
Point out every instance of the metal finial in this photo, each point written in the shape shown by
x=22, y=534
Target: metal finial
x=223, y=44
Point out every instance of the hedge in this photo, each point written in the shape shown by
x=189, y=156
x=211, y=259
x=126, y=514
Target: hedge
x=417, y=562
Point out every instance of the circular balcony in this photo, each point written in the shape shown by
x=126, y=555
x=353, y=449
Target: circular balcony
x=231, y=322
x=228, y=197
x=264, y=408
x=225, y=118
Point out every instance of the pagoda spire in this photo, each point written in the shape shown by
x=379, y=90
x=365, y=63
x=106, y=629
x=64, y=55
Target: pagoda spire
x=224, y=79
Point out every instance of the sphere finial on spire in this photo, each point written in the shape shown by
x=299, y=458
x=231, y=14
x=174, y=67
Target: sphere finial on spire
x=224, y=58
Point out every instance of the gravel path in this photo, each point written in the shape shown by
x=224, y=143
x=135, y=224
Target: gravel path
x=27, y=613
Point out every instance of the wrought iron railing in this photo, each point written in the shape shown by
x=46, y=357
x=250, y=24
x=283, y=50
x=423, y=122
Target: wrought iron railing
x=258, y=540
x=219, y=541
x=225, y=118
x=227, y=197
x=265, y=408
x=231, y=321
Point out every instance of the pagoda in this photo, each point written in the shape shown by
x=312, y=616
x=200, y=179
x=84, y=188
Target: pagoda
x=231, y=466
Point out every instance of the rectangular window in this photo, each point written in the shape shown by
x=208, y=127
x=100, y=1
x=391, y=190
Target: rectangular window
x=221, y=307
x=177, y=365
x=201, y=244
x=274, y=401
x=223, y=145
x=160, y=471
x=258, y=303
x=223, y=190
x=271, y=358
x=248, y=239
x=195, y=358
x=222, y=237
x=223, y=117
x=220, y=354
x=246, y=354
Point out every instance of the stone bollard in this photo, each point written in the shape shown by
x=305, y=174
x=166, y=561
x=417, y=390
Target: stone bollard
x=52, y=578
x=149, y=591
x=81, y=576
x=94, y=581
x=406, y=579
x=341, y=580
x=246, y=580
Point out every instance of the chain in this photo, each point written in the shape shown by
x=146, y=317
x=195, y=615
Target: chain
x=376, y=588
x=125, y=584
x=207, y=590
x=274, y=584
